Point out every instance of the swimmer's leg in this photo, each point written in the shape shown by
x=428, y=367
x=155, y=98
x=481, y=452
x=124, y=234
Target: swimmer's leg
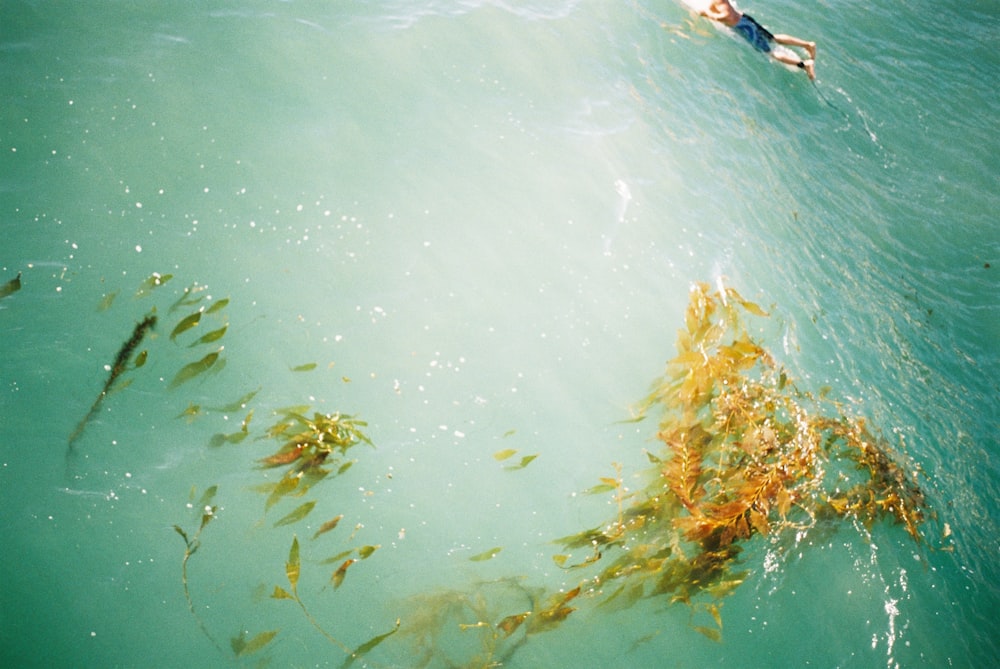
x=789, y=57
x=788, y=40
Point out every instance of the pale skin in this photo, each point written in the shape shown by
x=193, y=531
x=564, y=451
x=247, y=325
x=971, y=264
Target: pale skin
x=723, y=12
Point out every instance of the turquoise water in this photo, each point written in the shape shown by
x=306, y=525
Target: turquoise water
x=480, y=221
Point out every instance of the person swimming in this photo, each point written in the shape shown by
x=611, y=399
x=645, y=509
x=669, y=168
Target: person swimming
x=760, y=38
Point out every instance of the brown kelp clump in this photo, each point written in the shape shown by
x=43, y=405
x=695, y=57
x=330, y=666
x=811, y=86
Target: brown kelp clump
x=312, y=449
x=743, y=452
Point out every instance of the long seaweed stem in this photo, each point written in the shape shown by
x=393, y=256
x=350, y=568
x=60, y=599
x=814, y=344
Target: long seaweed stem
x=188, y=552
x=191, y=546
x=319, y=628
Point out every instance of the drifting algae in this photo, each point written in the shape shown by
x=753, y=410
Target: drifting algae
x=743, y=456
x=118, y=368
x=10, y=287
x=743, y=453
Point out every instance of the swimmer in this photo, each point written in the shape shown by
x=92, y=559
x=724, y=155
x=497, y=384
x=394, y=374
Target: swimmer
x=759, y=37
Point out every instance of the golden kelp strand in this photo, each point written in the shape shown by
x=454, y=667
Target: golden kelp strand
x=741, y=456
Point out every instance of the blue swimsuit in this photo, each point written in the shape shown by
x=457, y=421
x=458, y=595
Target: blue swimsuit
x=754, y=33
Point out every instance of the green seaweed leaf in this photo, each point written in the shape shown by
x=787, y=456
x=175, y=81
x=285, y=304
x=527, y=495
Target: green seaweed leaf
x=328, y=525
x=210, y=337
x=281, y=593
x=338, y=576
x=242, y=647
x=218, y=306
x=191, y=370
x=365, y=552
x=184, y=536
x=207, y=496
x=367, y=646
x=106, y=301
x=186, y=324
x=486, y=555
x=154, y=281
x=296, y=515
x=336, y=558
x=293, y=567
x=285, y=486
x=191, y=296
x=525, y=461
x=241, y=403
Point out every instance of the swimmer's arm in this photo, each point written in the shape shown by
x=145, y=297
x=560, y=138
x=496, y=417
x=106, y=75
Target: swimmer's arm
x=716, y=11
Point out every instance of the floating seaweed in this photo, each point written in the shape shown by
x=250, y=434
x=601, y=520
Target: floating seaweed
x=486, y=555
x=10, y=287
x=328, y=525
x=298, y=514
x=212, y=361
x=191, y=296
x=482, y=625
x=196, y=368
x=186, y=324
x=315, y=447
x=154, y=281
x=118, y=368
x=508, y=453
x=293, y=570
x=192, y=542
x=504, y=454
x=209, y=337
x=107, y=300
x=743, y=454
x=242, y=646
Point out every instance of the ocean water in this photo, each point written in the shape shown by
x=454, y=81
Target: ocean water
x=474, y=225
